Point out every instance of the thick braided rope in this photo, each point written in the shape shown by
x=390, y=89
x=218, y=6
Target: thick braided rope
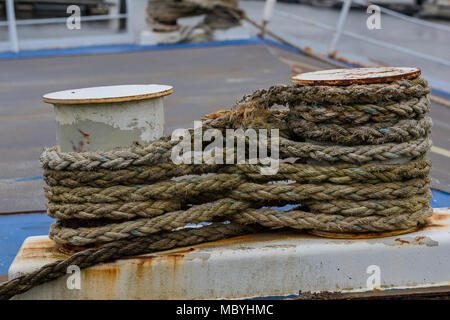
x=142, y=227
x=356, y=154
x=128, y=157
x=122, y=249
x=352, y=94
x=341, y=173
x=260, y=193
x=154, y=153
x=114, y=211
x=374, y=133
x=370, y=207
x=362, y=113
x=236, y=212
x=333, y=223
x=130, y=210
x=237, y=187
x=159, y=151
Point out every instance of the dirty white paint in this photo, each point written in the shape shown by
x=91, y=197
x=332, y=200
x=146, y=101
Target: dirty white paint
x=108, y=117
x=147, y=116
x=270, y=264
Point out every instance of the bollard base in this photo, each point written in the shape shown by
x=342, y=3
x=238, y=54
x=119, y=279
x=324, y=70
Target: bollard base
x=278, y=264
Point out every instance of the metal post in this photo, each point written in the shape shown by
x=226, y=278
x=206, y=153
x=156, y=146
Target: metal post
x=122, y=10
x=268, y=9
x=130, y=24
x=12, y=27
x=340, y=25
x=104, y=118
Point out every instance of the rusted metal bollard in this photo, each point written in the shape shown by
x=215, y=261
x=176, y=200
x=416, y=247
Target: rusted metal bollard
x=103, y=118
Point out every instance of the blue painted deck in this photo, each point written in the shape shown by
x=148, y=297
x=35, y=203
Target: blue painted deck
x=122, y=48
x=16, y=228
x=440, y=199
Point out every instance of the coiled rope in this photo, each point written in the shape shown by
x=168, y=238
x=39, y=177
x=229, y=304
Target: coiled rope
x=339, y=151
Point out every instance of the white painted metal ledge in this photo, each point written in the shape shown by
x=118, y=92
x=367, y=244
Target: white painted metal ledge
x=276, y=264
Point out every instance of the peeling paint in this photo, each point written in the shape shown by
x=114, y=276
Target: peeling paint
x=147, y=116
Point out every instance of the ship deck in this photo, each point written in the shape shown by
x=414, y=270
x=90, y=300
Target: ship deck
x=206, y=77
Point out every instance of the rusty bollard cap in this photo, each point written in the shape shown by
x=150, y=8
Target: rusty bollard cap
x=341, y=77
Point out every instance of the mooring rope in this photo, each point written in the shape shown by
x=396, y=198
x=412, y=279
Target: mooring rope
x=233, y=186
x=122, y=249
x=355, y=94
x=352, y=159
x=362, y=113
x=143, y=156
x=340, y=173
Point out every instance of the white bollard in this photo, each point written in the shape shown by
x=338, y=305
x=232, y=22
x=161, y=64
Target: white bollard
x=103, y=118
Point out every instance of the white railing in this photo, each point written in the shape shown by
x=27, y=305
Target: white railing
x=338, y=29
x=15, y=44
x=405, y=17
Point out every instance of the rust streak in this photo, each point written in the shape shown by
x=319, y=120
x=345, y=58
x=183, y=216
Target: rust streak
x=440, y=216
x=431, y=226
x=86, y=136
x=402, y=242
x=339, y=77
